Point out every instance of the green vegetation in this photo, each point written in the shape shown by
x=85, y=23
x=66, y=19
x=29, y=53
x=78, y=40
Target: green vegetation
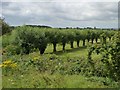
x=36, y=57
x=110, y=57
x=32, y=37
x=4, y=27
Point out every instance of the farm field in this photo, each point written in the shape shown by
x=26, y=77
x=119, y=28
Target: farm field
x=59, y=69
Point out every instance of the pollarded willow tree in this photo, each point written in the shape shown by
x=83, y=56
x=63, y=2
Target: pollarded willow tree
x=97, y=35
x=92, y=36
x=88, y=37
x=29, y=38
x=71, y=37
x=83, y=36
x=77, y=37
x=103, y=37
x=54, y=37
x=64, y=38
x=24, y=38
x=40, y=40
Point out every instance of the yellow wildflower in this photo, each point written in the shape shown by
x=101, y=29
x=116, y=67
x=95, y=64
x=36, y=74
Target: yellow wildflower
x=13, y=65
x=35, y=58
x=1, y=65
x=4, y=65
x=7, y=62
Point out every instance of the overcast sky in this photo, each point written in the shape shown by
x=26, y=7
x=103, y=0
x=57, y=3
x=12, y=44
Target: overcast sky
x=62, y=14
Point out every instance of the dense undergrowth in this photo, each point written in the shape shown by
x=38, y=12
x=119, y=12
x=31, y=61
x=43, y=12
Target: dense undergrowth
x=52, y=71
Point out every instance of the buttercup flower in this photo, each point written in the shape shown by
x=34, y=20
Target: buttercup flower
x=7, y=62
x=1, y=65
x=13, y=65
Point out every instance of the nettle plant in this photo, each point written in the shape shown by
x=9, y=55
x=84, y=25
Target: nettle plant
x=110, y=53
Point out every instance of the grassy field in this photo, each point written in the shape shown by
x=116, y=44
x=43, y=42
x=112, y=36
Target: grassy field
x=43, y=80
x=27, y=76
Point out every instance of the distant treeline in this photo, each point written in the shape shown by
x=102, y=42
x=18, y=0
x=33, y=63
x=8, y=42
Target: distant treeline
x=40, y=26
x=43, y=26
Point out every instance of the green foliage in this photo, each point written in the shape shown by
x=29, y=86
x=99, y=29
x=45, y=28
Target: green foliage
x=4, y=27
x=29, y=38
x=61, y=68
x=5, y=40
x=77, y=37
x=97, y=35
x=71, y=37
x=54, y=37
x=88, y=37
x=25, y=38
x=64, y=38
x=52, y=71
x=83, y=36
x=40, y=40
x=12, y=50
x=110, y=57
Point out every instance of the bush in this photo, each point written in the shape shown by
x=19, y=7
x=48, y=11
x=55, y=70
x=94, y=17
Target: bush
x=5, y=27
x=12, y=50
x=110, y=60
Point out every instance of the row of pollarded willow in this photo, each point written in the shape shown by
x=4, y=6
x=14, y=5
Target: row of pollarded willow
x=32, y=37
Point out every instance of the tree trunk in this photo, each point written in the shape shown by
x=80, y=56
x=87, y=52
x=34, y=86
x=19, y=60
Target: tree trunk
x=42, y=50
x=27, y=51
x=92, y=41
x=88, y=40
x=71, y=44
x=26, y=48
x=83, y=42
x=54, y=47
x=63, y=46
x=96, y=40
x=109, y=38
x=78, y=43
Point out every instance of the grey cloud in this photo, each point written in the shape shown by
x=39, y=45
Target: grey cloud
x=61, y=13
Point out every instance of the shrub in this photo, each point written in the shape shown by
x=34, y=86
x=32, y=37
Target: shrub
x=4, y=27
x=110, y=58
x=12, y=50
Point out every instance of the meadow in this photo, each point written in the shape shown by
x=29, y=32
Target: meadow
x=50, y=58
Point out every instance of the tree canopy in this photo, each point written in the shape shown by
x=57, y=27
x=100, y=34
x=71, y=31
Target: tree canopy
x=4, y=27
